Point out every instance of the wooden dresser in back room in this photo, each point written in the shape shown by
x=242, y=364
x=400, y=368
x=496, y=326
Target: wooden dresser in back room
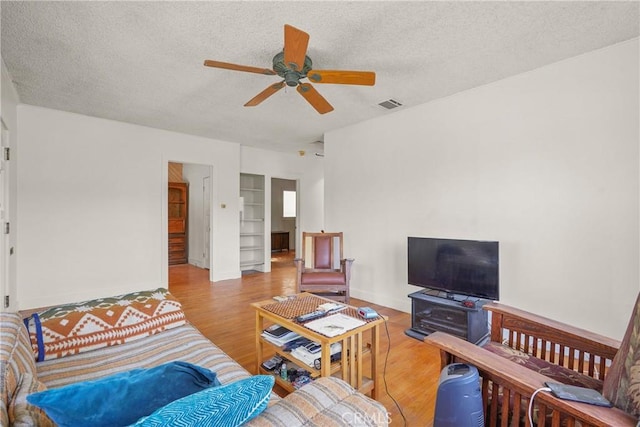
x=178, y=198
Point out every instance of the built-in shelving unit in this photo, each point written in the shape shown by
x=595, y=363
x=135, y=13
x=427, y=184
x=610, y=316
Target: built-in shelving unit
x=252, y=226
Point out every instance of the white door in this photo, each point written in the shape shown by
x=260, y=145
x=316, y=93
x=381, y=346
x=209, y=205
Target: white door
x=206, y=218
x=4, y=216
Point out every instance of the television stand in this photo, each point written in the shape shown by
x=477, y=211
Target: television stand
x=430, y=313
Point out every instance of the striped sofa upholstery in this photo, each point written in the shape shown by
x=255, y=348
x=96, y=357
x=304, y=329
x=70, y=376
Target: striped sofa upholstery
x=13, y=361
x=184, y=343
x=325, y=402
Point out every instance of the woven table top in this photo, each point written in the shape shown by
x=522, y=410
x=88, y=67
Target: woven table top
x=292, y=308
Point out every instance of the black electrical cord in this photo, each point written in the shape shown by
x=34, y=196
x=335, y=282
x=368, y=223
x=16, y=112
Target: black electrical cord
x=384, y=372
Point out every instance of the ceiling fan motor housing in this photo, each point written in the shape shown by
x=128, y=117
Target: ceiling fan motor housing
x=289, y=74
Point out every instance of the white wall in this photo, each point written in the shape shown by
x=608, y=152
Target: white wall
x=93, y=205
x=546, y=162
x=307, y=170
x=8, y=112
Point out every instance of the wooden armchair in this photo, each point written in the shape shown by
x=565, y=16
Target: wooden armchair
x=538, y=350
x=322, y=268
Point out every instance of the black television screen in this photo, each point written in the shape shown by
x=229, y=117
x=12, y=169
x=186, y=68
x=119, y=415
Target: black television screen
x=466, y=267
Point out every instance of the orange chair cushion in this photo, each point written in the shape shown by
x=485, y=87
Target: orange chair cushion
x=322, y=278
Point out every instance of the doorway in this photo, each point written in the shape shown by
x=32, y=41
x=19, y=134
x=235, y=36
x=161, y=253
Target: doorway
x=284, y=220
x=198, y=240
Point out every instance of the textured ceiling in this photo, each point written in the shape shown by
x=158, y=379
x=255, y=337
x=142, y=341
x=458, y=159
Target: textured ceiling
x=142, y=62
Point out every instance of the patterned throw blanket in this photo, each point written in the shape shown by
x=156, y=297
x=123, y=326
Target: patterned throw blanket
x=89, y=325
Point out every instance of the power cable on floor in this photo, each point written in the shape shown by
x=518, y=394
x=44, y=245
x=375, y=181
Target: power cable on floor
x=384, y=372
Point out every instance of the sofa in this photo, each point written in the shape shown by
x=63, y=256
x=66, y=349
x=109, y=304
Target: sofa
x=80, y=343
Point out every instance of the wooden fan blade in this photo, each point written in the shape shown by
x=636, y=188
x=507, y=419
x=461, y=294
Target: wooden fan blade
x=314, y=98
x=264, y=94
x=365, y=78
x=236, y=67
x=295, y=47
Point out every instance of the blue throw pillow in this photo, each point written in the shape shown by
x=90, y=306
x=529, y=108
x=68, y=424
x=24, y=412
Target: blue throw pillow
x=123, y=398
x=229, y=405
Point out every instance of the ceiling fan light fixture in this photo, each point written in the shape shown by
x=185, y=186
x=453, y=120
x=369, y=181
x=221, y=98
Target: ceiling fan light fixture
x=291, y=78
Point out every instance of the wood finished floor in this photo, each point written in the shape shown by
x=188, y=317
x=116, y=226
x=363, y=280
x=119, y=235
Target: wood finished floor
x=221, y=311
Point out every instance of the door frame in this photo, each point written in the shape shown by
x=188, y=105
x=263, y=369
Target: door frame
x=5, y=220
x=164, y=182
x=296, y=232
x=206, y=227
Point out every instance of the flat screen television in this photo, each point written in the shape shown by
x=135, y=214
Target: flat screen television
x=465, y=267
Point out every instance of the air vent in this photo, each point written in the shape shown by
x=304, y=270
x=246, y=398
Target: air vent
x=390, y=104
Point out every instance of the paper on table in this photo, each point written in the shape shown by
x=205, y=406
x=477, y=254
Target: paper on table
x=331, y=307
x=334, y=324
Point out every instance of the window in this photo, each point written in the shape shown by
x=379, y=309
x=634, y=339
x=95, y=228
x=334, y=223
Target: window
x=289, y=204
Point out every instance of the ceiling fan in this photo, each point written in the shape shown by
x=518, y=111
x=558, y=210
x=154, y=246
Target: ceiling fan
x=293, y=65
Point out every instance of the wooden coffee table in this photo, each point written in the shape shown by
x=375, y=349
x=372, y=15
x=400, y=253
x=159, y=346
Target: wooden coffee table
x=356, y=343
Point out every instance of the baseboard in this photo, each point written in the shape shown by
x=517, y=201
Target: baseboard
x=196, y=262
x=225, y=275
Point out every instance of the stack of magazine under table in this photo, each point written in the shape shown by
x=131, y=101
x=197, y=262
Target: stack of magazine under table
x=302, y=348
x=279, y=335
x=310, y=353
